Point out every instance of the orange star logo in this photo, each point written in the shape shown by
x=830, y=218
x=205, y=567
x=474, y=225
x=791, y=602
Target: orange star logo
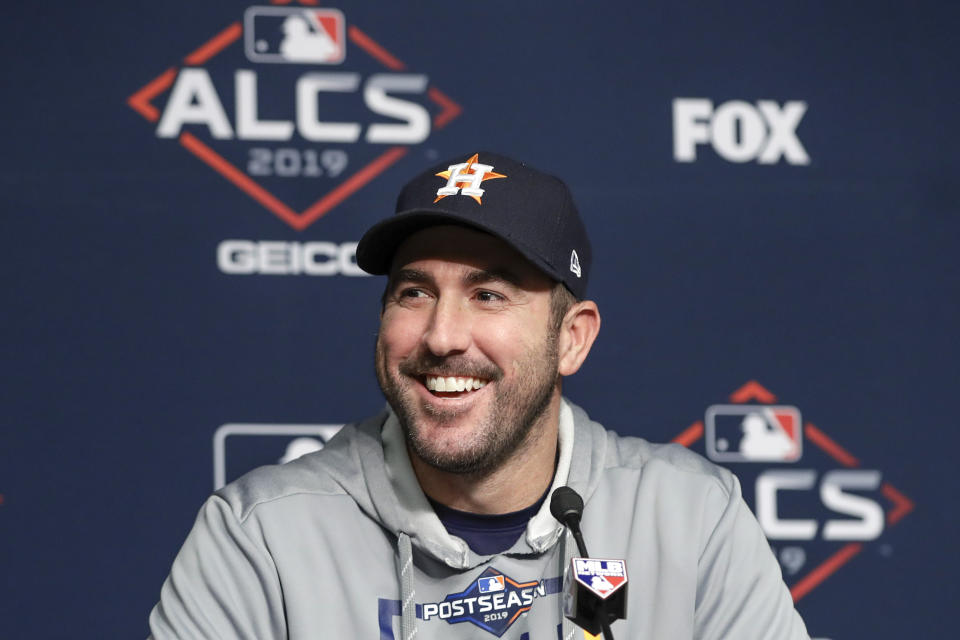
x=467, y=178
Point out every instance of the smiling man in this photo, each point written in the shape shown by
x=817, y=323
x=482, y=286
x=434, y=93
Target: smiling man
x=469, y=357
x=431, y=520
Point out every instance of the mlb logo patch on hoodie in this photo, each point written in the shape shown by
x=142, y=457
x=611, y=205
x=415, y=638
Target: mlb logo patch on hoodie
x=491, y=584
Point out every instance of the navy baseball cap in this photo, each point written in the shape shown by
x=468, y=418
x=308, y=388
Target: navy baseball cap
x=531, y=211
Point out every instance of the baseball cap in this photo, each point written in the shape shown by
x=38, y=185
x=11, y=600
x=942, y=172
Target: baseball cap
x=530, y=210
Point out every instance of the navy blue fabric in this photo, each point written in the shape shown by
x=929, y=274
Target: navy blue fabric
x=485, y=533
x=532, y=211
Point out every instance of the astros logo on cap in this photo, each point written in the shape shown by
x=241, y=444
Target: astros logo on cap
x=465, y=179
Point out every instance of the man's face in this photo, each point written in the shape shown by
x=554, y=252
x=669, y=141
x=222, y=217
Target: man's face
x=466, y=354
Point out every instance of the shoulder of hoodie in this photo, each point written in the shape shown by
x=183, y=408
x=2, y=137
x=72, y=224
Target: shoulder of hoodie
x=637, y=453
x=629, y=452
x=319, y=473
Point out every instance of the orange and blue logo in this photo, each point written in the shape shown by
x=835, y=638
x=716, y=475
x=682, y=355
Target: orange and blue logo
x=493, y=602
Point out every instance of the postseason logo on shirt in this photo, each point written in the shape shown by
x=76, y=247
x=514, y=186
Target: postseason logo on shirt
x=493, y=602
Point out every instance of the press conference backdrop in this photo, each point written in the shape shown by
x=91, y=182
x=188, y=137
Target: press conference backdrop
x=770, y=189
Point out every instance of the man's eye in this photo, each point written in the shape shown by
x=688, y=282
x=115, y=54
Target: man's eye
x=412, y=293
x=488, y=296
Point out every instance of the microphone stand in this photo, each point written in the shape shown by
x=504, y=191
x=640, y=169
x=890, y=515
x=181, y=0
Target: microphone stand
x=570, y=516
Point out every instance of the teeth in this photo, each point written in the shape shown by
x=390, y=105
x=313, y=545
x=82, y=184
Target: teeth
x=450, y=383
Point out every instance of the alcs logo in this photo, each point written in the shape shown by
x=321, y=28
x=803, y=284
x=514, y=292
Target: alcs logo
x=815, y=502
x=308, y=126
x=739, y=131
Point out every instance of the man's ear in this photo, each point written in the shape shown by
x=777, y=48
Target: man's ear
x=577, y=332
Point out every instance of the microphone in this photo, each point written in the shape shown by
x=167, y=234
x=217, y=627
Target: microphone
x=594, y=589
x=566, y=505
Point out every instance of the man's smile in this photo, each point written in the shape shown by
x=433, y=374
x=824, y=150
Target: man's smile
x=452, y=384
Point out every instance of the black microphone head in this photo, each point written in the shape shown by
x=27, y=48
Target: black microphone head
x=566, y=503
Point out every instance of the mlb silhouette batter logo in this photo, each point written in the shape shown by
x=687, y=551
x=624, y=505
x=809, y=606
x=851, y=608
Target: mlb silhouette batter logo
x=294, y=35
x=753, y=433
x=601, y=576
x=490, y=584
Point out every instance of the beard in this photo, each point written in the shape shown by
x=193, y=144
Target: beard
x=517, y=406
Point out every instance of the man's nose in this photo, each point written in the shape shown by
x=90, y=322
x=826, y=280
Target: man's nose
x=450, y=328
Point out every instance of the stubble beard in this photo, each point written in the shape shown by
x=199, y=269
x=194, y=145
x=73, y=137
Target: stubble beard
x=517, y=407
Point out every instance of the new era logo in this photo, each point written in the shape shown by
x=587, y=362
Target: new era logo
x=575, y=263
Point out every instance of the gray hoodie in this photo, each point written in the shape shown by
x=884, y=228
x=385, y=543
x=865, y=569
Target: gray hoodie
x=342, y=543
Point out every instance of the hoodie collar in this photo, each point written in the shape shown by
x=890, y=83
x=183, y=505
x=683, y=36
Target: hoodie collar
x=416, y=517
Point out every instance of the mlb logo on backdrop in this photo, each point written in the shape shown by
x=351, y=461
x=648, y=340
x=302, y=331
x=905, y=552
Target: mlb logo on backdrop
x=241, y=447
x=745, y=433
x=294, y=35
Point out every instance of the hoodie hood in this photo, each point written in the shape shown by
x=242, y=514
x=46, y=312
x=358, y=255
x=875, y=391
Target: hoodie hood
x=369, y=461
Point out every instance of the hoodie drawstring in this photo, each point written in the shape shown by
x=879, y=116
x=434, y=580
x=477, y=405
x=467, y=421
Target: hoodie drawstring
x=408, y=608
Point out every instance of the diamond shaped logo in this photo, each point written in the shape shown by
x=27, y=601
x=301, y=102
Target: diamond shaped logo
x=819, y=509
x=302, y=136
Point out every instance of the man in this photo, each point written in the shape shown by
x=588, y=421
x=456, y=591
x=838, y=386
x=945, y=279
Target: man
x=431, y=520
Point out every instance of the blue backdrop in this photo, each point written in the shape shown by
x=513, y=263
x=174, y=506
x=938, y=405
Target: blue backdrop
x=770, y=190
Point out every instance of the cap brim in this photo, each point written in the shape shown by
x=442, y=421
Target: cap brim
x=378, y=245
